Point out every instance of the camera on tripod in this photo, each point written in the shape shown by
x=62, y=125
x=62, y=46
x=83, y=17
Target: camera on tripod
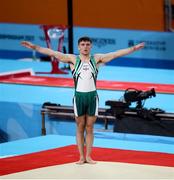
x=134, y=95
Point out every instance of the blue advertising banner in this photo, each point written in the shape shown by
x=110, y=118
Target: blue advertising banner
x=12, y=34
x=159, y=45
x=158, y=51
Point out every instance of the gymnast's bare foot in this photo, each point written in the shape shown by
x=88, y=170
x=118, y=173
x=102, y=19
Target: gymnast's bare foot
x=81, y=161
x=90, y=161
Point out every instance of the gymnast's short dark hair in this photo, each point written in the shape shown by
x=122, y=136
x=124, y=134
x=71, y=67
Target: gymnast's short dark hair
x=84, y=38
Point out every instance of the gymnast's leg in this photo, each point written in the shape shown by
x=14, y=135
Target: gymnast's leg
x=90, y=120
x=80, y=121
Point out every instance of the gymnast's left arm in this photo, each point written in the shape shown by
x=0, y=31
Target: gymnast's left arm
x=104, y=58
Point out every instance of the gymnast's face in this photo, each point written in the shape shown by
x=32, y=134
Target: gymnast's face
x=85, y=47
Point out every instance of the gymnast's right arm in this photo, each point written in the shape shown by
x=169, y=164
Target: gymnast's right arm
x=66, y=58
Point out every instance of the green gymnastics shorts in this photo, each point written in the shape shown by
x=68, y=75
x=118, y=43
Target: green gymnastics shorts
x=86, y=103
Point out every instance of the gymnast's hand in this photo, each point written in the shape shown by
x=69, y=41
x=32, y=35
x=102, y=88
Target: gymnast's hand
x=28, y=44
x=138, y=46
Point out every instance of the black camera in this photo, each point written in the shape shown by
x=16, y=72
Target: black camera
x=134, y=95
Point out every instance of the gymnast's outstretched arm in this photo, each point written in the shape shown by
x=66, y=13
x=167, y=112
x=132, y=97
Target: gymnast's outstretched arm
x=66, y=58
x=104, y=58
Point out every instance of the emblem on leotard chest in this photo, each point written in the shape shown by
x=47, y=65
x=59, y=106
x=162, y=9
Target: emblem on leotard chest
x=85, y=67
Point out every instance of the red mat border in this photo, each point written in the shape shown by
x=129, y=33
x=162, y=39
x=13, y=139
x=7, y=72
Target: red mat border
x=26, y=77
x=29, y=79
x=69, y=154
